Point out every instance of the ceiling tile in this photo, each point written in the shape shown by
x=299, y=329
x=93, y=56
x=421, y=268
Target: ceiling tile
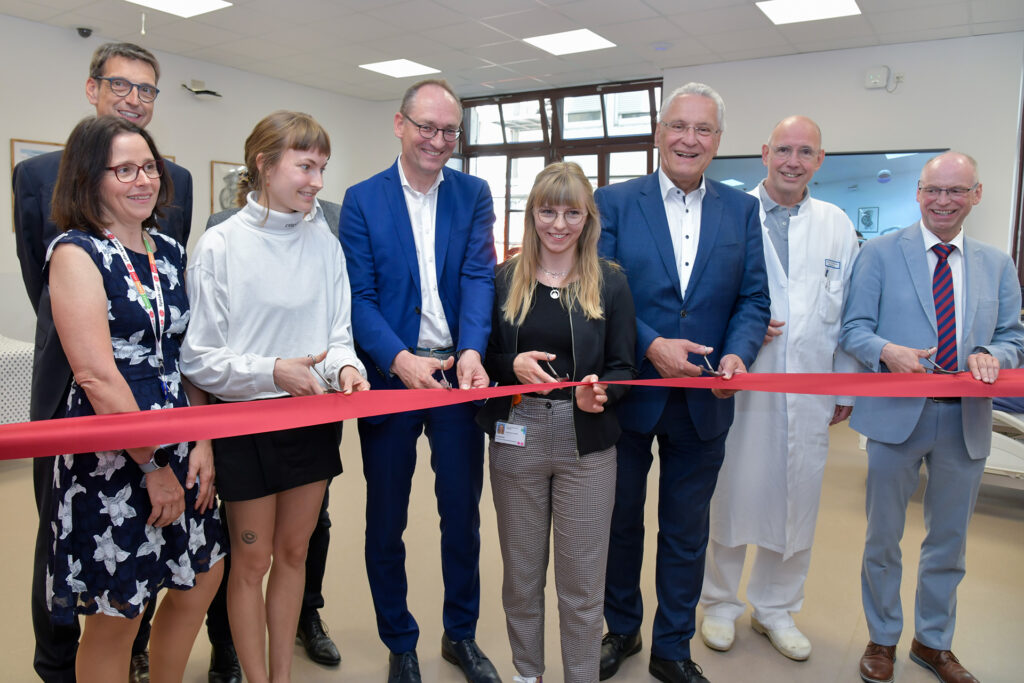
x=924, y=34
x=918, y=18
x=478, y=9
x=467, y=34
x=837, y=29
x=591, y=13
x=983, y=11
x=722, y=20
x=508, y=51
x=417, y=15
x=533, y=22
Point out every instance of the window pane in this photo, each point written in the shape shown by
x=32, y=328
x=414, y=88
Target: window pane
x=485, y=125
x=522, y=121
x=581, y=117
x=492, y=169
x=629, y=113
x=626, y=165
x=588, y=162
x=524, y=172
x=455, y=162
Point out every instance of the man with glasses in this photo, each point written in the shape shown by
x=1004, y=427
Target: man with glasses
x=691, y=248
x=927, y=291
x=122, y=82
x=770, y=483
x=420, y=250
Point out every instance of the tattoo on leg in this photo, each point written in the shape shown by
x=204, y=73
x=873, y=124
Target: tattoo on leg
x=248, y=537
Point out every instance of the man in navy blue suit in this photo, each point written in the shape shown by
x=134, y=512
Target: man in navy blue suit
x=691, y=248
x=420, y=250
x=122, y=82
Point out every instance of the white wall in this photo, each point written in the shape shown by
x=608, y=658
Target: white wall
x=43, y=84
x=963, y=93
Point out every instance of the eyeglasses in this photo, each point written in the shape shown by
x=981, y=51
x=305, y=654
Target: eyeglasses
x=127, y=172
x=933, y=192
x=122, y=87
x=803, y=153
x=548, y=216
x=429, y=132
x=700, y=130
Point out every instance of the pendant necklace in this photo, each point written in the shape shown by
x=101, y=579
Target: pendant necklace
x=554, y=276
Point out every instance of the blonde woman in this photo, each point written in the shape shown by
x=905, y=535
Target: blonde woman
x=560, y=314
x=271, y=303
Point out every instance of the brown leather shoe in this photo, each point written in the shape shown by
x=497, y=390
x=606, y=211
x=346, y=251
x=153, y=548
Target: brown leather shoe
x=877, y=662
x=942, y=663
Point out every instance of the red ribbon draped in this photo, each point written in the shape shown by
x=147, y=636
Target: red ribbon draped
x=146, y=428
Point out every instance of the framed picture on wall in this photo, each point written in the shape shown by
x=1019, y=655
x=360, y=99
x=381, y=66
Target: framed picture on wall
x=867, y=219
x=26, y=149
x=223, y=184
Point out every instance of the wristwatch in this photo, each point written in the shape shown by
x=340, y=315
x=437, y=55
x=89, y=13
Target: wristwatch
x=161, y=458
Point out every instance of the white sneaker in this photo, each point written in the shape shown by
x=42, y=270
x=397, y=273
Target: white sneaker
x=789, y=641
x=526, y=679
x=718, y=633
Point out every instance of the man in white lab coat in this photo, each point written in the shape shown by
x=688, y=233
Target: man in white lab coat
x=770, y=484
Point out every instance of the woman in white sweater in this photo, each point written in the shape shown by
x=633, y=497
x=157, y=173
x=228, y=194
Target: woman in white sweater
x=270, y=318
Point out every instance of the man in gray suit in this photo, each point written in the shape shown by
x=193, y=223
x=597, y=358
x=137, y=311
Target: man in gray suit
x=224, y=667
x=927, y=289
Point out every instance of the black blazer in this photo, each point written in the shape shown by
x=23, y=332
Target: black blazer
x=33, y=182
x=604, y=347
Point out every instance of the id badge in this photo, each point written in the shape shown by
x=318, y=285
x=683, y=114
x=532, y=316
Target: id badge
x=511, y=434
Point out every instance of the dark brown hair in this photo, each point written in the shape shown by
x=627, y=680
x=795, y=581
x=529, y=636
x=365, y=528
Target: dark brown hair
x=77, y=199
x=126, y=50
x=274, y=135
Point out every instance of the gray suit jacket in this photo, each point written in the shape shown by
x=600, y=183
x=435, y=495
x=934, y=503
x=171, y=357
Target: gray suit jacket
x=891, y=301
x=332, y=214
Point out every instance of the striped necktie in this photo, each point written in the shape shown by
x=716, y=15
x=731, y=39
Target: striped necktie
x=945, y=310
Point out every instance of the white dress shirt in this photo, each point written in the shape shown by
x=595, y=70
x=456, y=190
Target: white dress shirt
x=683, y=211
x=422, y=206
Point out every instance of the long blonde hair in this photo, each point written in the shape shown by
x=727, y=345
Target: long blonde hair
x=559, y=184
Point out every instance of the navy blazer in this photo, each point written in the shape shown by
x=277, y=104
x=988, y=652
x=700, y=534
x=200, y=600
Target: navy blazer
x=726, y=304
x=33, y=181
x=380, y=251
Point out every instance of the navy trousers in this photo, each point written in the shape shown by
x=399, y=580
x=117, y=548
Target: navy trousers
x=689, y=471
x=389, y=460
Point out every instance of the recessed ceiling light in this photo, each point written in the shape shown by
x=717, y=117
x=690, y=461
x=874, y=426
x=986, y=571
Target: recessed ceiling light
x=400, y=68
x=898, y=156
x=732, y=182
x=569, y=42
x=793, y=11
x=183, y=8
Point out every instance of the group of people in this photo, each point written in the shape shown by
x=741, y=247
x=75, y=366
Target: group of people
x=668, y=275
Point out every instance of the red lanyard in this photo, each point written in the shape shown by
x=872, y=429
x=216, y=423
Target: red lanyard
x=154, y=316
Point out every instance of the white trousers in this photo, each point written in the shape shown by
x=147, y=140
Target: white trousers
x=775, y=589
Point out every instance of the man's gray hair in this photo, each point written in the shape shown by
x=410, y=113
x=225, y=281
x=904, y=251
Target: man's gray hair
x=695, y=89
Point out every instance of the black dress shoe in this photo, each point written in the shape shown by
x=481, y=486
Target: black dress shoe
x=615, y=647
x=466, y=655
x=224, y=667
x=319, y=646
x=404, y=668
x=138, y=670
x=670, y=671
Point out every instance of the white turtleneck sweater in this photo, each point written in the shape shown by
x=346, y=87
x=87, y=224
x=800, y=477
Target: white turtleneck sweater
x=262, y=290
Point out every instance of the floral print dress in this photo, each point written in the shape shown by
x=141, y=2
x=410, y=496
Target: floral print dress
x=105, y=558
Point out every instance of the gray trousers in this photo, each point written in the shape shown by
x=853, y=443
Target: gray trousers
x=949, y=497
x=544, y=486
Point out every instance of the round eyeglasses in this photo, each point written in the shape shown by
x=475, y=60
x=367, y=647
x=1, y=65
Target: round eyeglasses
x=680, y=128
x=122, y=87
x=127, y=173
x=548, y=216
x=429, y=132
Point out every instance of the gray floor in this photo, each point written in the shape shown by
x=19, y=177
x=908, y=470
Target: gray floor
x=991, y=604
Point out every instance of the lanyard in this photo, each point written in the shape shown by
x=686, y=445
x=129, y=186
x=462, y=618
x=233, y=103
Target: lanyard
x=154, y=317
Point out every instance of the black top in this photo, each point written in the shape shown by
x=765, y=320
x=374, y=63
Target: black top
x=547, y=328
x=604, y=347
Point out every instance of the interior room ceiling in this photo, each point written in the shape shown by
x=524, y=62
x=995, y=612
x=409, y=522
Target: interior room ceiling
x=478, y=44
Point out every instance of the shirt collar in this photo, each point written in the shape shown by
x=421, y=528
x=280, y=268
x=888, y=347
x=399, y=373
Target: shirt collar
x=770, y=204
x=930, y=240
x=667, y=186
x=406, y=185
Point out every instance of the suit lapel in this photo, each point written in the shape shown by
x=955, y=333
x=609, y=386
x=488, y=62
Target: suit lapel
x=710, y=222
x=652, y=205
x=912, y=246
x=395, y=198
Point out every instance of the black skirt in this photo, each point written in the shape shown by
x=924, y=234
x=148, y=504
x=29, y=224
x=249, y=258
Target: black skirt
x=256, y=465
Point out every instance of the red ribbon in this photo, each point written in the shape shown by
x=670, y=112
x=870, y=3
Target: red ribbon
x=146, y=428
